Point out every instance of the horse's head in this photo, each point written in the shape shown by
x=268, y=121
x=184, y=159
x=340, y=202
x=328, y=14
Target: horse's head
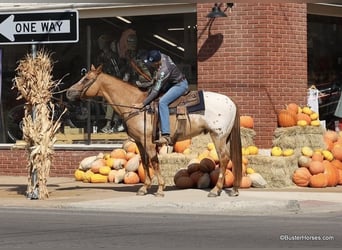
x=80, y=89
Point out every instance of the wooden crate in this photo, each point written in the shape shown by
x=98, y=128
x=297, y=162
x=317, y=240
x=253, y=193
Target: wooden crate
x=71, y=138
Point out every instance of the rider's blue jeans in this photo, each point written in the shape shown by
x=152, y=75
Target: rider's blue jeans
x=172, y=94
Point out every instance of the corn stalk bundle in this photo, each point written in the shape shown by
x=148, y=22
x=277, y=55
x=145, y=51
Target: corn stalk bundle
x=35, y=85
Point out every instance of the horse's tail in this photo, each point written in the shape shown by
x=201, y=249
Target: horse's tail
x=236, y=150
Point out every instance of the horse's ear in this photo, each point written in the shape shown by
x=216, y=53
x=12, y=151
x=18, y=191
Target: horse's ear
x=92, y=67
x=99, y=69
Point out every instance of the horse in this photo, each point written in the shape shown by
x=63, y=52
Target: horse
x=220, y=119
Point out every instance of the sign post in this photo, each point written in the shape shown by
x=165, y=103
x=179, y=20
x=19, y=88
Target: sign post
x=39, y=27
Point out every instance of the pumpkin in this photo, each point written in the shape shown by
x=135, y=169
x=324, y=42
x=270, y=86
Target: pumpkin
x=133, y=164
x=213, y=155
x=340, y=176
x=214, y=176
x=317, y=156
x=332, y=175
x=98, y=178
x=195, y=176
x=330, y=135
x=118, y=153
x=203, y=181
x=119, y=163
x=304, y=117
x=104, y=170
x=307, y=110
x=207, y=164
x=307, y=151
x=288, y=152
x=316, y=167
x=116, y=175
x=193, y=165
x=79, y=175
x=129, y=146
x=184, y=182
x=228, y=178
x=327, y=155
x=315, y=123
x=286, y=118
x=131, y=178
x=302, y=123
x=88, y=175
x=301, y=177
x=276, y=151
x=253, y=150
x=293, y=107
x=141, y=172
x=337, y=163
x=246, y=182
x=337, y=151
x=246, y=121
x=180, y=146
x=95, y=166
x=318, y=180
x=304, y=161
x=314, y=116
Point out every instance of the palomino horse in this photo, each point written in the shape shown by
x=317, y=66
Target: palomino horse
x=220, y=119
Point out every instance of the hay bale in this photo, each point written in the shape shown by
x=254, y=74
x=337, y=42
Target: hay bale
x=298, y=137
x=277, y=171
x=170, y=164
x=247, y=136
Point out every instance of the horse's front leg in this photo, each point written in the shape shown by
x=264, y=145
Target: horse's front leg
x=146, y=163
x=161, y=182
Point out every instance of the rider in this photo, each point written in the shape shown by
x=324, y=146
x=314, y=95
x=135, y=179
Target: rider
x=169, y=82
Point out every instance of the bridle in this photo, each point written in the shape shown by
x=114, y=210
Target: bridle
x=87, y=85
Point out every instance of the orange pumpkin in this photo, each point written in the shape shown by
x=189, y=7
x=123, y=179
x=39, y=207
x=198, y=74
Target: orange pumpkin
x=305, y=117
x=317, y=156
x=340, y=176
x=332, y=174
x=228, y=178
x=131, y=178
x=129, y=146
x=286, y=118
x=246, y=121
x=141, y=173
x=330, y=135
x=337, y=163
x=292, y=107
x=301, y=177
x=180, y=146
x=246, y=182
x=316, y=167
x=337, y=151
x=318, y=180
x=118, y=153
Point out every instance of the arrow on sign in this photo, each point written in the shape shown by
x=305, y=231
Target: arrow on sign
x=9, y=27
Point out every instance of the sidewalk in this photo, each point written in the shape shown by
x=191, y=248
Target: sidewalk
x=66, y=193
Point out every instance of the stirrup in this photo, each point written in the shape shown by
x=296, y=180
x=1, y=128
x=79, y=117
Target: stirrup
x=164, y=140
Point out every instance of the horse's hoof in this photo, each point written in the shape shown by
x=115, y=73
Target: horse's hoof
x=212, y=194
x=234, y=193
x=141, y=192
x=158, y=194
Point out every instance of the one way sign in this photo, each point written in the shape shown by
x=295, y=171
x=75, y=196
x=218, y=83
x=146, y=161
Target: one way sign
x=39, y=27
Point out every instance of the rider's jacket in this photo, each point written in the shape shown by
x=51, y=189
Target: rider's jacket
x=165, y=76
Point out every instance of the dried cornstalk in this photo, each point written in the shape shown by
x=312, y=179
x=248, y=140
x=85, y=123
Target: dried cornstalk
x=35, y=85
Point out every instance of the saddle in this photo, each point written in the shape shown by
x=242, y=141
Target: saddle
x=190, y=102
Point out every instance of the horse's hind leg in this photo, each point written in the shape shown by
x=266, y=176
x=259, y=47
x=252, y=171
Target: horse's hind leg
x=223, y=154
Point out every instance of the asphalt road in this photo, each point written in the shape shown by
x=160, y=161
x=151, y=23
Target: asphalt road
x=73, y=229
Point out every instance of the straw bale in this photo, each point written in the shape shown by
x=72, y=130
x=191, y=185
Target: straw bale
x=277, y=171
x=169, y=165
x=298, y=137
x=247, y=136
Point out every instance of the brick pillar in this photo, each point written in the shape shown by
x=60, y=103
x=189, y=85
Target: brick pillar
x=258, y=56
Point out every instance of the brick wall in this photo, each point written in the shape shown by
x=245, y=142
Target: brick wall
x=64, y=163
x=258, y=56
